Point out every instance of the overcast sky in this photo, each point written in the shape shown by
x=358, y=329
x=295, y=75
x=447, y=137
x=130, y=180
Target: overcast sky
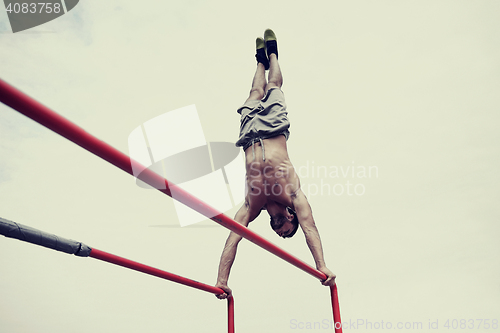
x=407, y=88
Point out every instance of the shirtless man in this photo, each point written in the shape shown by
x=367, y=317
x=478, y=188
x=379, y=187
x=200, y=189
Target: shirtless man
x=271, y=181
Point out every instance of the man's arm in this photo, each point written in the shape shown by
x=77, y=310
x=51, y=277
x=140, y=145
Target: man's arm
x=306, y=221
x=243, y=216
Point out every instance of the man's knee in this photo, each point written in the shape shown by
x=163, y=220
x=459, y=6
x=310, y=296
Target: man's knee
x=275, y=83
x=272, y=85
x=256, y=93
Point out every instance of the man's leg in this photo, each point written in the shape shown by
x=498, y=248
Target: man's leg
x=259, y=79
x=275, y=77
x=258, y=83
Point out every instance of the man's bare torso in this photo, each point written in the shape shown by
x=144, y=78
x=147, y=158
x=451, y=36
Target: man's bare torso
x=272, y=179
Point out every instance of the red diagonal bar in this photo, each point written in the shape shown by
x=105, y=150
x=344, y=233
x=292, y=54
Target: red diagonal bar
x=136, y=266
x=38, y=112
x=48, y=118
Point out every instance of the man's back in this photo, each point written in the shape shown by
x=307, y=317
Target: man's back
x=270, y=174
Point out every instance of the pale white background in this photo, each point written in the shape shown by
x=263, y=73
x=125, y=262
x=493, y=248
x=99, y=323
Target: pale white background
x=409, y=87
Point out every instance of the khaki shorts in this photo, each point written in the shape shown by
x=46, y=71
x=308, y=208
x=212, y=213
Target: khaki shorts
x=263, y=119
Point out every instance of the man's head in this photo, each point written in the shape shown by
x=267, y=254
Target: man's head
x=285, y=223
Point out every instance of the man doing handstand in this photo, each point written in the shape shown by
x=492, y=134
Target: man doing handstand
x=271, y=181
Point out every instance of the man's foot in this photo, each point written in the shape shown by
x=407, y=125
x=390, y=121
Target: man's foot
x=260, y=55
x=271, y=42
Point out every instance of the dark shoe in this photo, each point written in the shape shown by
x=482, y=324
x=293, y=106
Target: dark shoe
x=260, y=55
x=271, y=42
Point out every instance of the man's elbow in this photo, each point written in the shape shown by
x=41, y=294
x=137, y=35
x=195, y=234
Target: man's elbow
x=308, y=222
x=309, y=226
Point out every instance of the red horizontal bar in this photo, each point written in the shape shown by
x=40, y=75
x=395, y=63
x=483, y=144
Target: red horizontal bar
x=113, y=259
x=50, y=119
